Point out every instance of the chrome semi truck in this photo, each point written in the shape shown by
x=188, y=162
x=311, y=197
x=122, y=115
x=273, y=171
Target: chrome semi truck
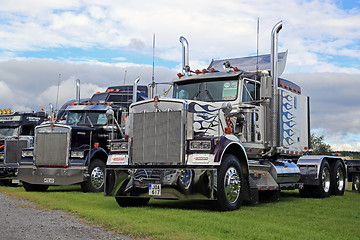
x=75, y=150
x=16, y=133
x=230, y=132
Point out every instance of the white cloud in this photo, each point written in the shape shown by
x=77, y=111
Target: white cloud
x=317, y=33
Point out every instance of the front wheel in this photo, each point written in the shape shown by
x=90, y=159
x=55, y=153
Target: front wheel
x=95, y=181
x=132, y=201
x=338, y=179
x=356, y=182
x=322, y=190
x=35, y=187
x=230, y=184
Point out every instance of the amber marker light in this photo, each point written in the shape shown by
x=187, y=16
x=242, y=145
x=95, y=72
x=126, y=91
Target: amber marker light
x=96, y=144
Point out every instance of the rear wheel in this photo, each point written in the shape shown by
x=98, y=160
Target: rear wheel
x=305, y=192
x=356, y=182
x=230, y=184
x=95, y=181
x=323, y=189
x=35, y=187
x=338, y=178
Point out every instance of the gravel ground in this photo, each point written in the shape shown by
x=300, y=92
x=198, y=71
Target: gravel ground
x=21, y=220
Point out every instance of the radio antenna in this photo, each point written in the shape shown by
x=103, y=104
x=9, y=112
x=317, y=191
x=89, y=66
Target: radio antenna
x=153, y=72
x=257, y=46
x=57, y=95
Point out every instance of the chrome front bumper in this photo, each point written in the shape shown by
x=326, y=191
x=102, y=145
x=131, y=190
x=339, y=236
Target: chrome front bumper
x=52, y=176
x=177, y=183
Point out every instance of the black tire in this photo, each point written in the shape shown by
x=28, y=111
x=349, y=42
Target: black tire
x=338, y=179
x=132, y=201
x=185, y=181
x=95, y=181
x=35, y=187
x=356, y=182
x=306, y=191
x=230, y=184
x=323, y=189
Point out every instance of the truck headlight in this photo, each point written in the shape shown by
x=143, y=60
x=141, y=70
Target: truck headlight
x=77, y=154
x=200, y=145
x=27, y=153
x=119, y=146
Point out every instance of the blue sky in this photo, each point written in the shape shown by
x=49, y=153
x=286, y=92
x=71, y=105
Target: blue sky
x=97, y=41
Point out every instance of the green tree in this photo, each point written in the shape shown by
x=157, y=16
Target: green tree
x=318, y=146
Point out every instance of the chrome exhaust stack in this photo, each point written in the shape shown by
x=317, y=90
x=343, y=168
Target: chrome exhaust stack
x=275, y=131
x=77, y=97
x=135, y=90
x=185, y=55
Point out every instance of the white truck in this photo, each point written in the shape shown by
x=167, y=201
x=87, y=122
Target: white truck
x=230, y=132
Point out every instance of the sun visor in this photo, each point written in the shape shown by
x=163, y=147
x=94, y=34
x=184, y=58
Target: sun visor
x=248, y=64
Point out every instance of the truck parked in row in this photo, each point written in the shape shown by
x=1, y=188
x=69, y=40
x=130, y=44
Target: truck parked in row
x=16, y=133
x=353, y=170
x=230, y=132
x=75, y=150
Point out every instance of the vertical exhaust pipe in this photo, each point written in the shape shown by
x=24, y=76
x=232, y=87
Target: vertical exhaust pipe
x=275, y=138
x=274, y=54
x=135, y=90
x=185, y=55
x=77, y=97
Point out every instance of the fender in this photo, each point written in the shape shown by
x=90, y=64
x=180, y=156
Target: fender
x=316, y=160
x=231, y=144
x=95, y=152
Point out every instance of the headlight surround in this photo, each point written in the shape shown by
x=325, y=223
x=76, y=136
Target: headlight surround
x=119, y=146
x=27, y=153
x=77, y=154
x=200, y=145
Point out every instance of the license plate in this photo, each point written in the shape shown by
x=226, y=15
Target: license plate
x=49, y=180
x=15, y=181
x=154, y=189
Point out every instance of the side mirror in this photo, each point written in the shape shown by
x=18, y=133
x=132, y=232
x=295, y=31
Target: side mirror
x=110, y=114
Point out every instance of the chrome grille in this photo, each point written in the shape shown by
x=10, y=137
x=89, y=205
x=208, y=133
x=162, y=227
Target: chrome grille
x=52, y=147
x=13, y=148
x=158, y=138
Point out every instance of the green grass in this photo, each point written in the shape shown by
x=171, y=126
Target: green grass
x=292, y=217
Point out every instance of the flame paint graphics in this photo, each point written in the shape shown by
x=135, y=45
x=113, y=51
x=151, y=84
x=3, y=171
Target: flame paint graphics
x=205, y=117
x=288, y=119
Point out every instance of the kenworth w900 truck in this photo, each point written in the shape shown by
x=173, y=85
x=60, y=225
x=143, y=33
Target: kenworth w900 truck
x=230, y=132
x=75, y=151
x=16, y=133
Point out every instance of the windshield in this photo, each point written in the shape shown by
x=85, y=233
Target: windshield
x=82, y=118
x=208, y=90
x=8, y=132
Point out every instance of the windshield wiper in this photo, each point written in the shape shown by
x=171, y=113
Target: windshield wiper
x=209, y=95
x=196, y=94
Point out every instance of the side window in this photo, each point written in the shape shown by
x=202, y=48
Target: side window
x=102, y=119
x=250, y=92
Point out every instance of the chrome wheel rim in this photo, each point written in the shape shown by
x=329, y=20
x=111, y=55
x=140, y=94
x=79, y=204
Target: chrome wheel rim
x=185, y=178
x=356, y=183
x=97, y=177
x=325, y=177
x=340, y=179
x=232, y=185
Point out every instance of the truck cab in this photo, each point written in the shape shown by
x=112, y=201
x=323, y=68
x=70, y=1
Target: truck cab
x=16, y=132
x=74, y=151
